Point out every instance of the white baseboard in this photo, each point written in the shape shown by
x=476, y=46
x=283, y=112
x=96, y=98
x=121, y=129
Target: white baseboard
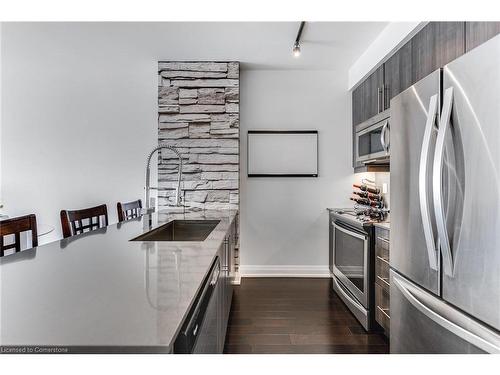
x=284, y=271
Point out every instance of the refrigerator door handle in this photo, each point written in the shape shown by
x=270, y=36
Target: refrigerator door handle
x=449, y=318
x=422, y=184
x=437, y=183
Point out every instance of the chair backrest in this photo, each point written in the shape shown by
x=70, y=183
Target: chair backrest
x=84, y=220
x=16, y=226
x=129, y=210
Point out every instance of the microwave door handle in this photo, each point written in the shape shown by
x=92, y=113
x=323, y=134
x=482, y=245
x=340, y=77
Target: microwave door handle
x=422, y=184
x=437, y=183
x=387, y=144
x=382, y=136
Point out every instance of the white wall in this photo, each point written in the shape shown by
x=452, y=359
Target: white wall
x=393, y=36
x=284, y=222
x=79, y=116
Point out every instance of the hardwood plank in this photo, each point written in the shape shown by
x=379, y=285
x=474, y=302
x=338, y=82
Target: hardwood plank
x=253, y=330
x=295, y=316
x=319, y=349
x=329, y=339
x=264, y=339
x=237, y=349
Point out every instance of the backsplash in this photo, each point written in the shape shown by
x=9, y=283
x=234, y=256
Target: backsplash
x=380, y=179
x=198, y=113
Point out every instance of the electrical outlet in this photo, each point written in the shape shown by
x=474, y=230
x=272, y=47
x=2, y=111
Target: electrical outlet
x=384, y=188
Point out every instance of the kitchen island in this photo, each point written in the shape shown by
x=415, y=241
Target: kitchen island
x=99, y=292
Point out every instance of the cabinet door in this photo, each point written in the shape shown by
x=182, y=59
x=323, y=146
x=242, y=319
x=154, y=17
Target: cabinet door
x=434, y=46
x=397, y=72
x=366, y=99
x=372, y=99
x=477, y=33
x=357, y=105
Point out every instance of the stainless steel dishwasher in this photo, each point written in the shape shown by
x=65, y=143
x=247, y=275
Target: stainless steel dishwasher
x=200, y=331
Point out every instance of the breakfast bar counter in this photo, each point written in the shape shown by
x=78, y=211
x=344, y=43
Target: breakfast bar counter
x=99, y=292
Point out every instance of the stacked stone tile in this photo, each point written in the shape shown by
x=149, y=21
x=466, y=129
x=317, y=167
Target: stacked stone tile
x=198, y=113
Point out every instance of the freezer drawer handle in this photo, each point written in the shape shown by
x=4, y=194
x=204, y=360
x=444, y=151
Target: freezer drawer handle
x=422, y=184
x=437, y=183
x=449, y=318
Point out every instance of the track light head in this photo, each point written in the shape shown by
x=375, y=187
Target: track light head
x=296, y=49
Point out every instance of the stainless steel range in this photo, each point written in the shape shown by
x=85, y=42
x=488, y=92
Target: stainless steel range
x=352, y=262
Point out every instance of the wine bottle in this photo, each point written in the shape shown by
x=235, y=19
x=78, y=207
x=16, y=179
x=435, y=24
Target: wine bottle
x=365, y=194
x=368, y=202
x=363, y=187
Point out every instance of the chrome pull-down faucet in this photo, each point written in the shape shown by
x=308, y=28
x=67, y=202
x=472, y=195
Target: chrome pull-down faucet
x=147, y=208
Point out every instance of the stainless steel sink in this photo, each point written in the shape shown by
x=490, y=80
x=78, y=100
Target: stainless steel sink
x=180, y=230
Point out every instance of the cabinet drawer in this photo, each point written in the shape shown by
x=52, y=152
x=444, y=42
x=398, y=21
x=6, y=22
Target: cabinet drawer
x=382, y=248
x=382, y=233
x=382, y=272
x=382, y=308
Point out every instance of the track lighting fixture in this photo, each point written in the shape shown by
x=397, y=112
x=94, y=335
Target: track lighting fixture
x=296, y=45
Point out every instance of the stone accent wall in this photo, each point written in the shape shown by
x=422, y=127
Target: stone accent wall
x=198, y=113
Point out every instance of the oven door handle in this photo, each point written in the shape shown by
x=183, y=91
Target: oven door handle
x=348, y=232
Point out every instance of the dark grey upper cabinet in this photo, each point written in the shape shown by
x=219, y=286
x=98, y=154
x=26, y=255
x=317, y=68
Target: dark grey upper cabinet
x=367, y=97
x=373, y=93
x=477, y=33
x=434, y=46
x=357, y=105
x=397, y=72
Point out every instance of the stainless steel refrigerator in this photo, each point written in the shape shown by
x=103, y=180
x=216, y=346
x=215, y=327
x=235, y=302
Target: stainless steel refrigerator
x=445, y=209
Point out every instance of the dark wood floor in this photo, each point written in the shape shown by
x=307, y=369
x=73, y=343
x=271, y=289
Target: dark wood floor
x=295, y=315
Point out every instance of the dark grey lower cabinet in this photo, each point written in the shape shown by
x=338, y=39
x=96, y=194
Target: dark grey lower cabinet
x=477, y=33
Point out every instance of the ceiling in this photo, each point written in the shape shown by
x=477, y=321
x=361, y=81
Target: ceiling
x=268, y=45
x=257, y=45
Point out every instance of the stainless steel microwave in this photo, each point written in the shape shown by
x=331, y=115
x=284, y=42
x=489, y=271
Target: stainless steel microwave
x=372, y=142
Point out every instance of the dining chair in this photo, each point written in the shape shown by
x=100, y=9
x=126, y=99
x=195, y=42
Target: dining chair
x=79, y=221
x=15, y=226
x=129, y=210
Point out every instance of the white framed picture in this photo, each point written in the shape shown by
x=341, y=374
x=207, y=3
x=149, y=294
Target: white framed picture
x=282, y=153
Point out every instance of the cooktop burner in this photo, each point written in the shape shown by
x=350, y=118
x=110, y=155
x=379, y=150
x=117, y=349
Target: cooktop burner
x=361, y=216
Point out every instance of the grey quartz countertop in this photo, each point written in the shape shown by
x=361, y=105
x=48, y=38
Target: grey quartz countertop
x=100, y=292
x=384, y=225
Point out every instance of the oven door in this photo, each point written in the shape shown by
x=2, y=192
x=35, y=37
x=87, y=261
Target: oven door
x=372, y=144
x=350, y=261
